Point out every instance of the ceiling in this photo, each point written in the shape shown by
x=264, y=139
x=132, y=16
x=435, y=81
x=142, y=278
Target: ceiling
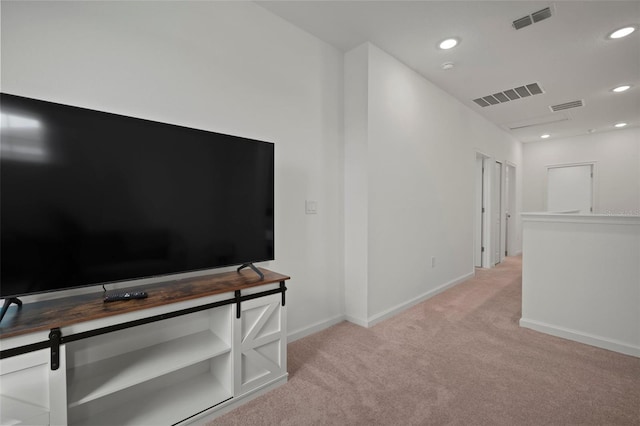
x=568, y=54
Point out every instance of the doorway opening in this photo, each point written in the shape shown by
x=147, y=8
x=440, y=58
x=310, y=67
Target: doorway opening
x=496, y=214
x=510, y=238
x=481, y=224
x=570, y=188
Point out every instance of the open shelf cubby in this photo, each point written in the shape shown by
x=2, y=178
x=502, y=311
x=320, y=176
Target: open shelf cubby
x=139, y=373
x=12, y=412
x=167, y=399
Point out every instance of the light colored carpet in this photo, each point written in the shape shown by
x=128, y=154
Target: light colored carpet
x=459, y=358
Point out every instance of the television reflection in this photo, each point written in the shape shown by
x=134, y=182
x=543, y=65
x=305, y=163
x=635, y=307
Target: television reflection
x=21, y=139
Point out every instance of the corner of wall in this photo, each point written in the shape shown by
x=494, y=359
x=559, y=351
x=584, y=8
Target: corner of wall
x=356, y=93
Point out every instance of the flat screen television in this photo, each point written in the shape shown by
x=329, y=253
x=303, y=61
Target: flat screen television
x=90, y=197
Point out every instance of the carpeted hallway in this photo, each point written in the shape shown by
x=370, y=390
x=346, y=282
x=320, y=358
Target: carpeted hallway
x=459, y=358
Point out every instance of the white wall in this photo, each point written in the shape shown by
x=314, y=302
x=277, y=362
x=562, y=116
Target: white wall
x=233, y=67
x=419, y=147
x=229, y=67
x=356, y=201
x=581, y=279
x=617, y=169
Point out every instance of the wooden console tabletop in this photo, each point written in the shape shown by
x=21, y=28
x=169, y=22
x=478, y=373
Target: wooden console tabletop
x=48, y=314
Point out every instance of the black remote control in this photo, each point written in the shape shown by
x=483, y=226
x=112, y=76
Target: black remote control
x=125, y=295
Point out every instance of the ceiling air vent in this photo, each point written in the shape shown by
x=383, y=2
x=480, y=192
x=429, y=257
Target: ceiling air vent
x=534, y=89
x=538, y=16
x=566, y=105
x=522, y=22
x=509, y=95
x=541, y=14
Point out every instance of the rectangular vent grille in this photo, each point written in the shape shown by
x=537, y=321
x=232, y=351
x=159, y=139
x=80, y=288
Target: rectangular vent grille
x=509, y=95
x=538, y=16
x=541, y=14
x=522, y=22
x=566, y=105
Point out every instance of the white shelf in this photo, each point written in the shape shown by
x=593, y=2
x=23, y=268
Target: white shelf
x=15, y=412
x=105, y=377
x=167, y=406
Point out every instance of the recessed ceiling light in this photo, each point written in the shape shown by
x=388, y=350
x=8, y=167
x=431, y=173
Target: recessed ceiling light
x=545, y=136
x=448, y=43
x=447, y=66
x=620, y=124
x=622, y=32
x=621, y=88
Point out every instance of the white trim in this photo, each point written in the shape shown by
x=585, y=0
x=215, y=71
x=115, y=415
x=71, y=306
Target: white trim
x=581, y=218
x=594, y=180
x=502, y=240
x=584, y=163
x=314, y=328
x=406, y=305
x=486, y=203
x=484, y=154
x=357, y=321
x=24, y=339
x=478, y=195
x=510, y=202
x=578, y=336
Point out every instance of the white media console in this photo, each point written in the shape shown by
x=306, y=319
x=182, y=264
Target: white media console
x=192, y=350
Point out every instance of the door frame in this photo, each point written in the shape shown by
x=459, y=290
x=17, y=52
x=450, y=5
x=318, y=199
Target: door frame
x=511, y=223
x=485, y=223
x=594, y=171
x=498, y=246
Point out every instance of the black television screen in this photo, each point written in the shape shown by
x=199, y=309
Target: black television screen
x=90, y=197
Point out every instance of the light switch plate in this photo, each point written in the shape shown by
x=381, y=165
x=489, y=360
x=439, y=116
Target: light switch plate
x=311, y=207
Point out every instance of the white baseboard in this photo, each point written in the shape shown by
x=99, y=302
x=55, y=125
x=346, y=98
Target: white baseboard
x=388, y=313
x=581, y=337
x=314, y=328
x=406, y=305
x=357, y=321
x=321, y=325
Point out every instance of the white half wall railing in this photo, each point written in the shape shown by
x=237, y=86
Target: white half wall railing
x=581, y=278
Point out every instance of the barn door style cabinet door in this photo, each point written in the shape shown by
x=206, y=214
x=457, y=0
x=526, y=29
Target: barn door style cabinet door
x=25, y=389
x=260, y=342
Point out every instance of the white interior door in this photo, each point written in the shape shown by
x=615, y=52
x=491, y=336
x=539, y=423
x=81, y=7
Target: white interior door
x=570, y=188
x=510, y=217
x=478, y=216
x=496, y=212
